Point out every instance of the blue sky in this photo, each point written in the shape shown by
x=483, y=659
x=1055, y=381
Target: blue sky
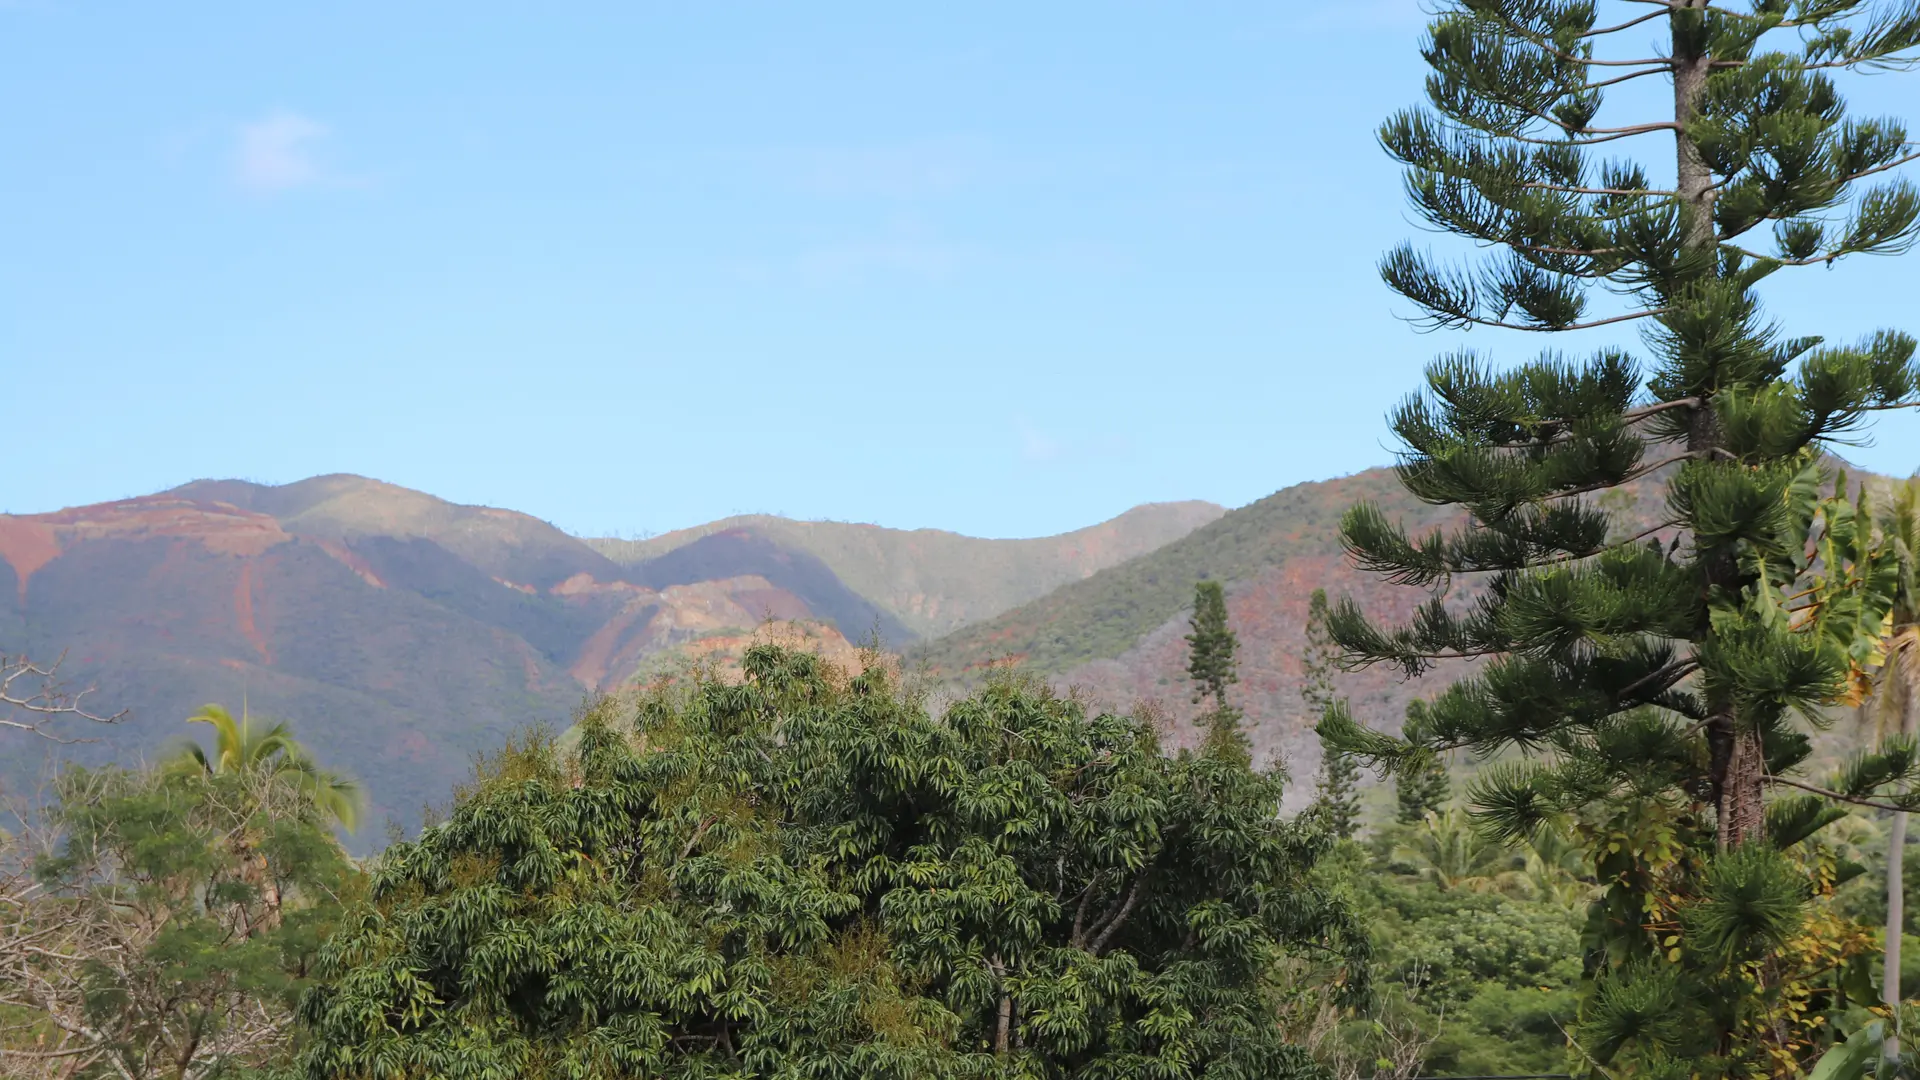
x=1000, y=268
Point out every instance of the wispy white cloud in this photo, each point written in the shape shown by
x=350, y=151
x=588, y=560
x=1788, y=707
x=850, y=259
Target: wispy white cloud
x=279, y=153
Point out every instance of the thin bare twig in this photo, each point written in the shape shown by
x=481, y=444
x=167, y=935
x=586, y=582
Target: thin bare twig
x=32, y=698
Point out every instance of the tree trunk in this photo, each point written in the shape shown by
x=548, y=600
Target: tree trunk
x=1694, y=179
x=1896, y=917
x=1004, y=1024
x=1739, y=780
x=1890, y=989
x=1738, y=756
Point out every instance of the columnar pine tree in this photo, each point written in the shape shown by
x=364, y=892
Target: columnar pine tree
x=1663, y=657
x=1337, y=796
x=1212, y=662
x=1421, y=788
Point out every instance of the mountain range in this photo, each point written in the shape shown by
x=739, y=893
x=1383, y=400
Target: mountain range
x=404, y=634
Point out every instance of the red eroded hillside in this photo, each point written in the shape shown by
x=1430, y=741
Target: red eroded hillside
x=166, y=603
x=397, y=659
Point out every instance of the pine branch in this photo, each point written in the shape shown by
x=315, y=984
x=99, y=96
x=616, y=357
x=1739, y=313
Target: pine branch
x=1839, y=796
x=1628, y=25
x=1894, y=164
x=1545, y=45
x=1631, y=416
x=1628, y=77
x=1534, y=140
x=1459, y=319
x=1666, y=676
x=1568, y=190
x=1613, y=546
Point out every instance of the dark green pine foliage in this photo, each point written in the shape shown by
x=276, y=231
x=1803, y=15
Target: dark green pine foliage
x=807, y=875
x=1337, y=795
x=1661, y=660
x=1212, y=662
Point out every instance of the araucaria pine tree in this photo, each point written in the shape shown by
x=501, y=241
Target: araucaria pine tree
x=1211, y=660
x=1337, y=796
x=1421, y=788
x=1658, y=661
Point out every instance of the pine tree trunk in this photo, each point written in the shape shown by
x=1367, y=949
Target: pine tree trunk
x=1694, y=180
x=1739, y=777
x=1738, y=757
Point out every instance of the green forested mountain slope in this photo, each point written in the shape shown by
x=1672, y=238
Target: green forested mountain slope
x=1111, y=611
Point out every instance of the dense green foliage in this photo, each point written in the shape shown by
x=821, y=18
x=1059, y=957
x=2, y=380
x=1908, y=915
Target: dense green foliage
x=808, y=875
x=164, y=923
x=1476, y=952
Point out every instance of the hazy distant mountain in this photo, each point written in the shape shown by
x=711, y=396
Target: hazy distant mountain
x=935, y=582
x=403, y=633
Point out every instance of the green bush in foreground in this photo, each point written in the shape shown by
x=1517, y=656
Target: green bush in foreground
x=807, y=874
x=160, y=924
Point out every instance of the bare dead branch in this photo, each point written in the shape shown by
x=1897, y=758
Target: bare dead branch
x=34, y=699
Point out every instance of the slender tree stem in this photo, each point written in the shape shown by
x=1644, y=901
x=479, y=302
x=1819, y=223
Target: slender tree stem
x=1890, y=989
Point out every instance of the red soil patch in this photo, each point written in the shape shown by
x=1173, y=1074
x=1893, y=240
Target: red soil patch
x=243, y=610
x=772, y=603
x=597, y=655
x=352, y=562
x=26, y=545
x=217, y=526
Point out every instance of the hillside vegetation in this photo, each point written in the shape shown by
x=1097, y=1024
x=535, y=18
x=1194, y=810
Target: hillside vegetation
x=1110, y=611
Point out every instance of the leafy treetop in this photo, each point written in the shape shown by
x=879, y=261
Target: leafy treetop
x=806, y=874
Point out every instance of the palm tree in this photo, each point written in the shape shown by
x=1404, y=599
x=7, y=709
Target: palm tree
x=1447, y=850
x=1555, y=871
x=242, y=746
x=1898, y=688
